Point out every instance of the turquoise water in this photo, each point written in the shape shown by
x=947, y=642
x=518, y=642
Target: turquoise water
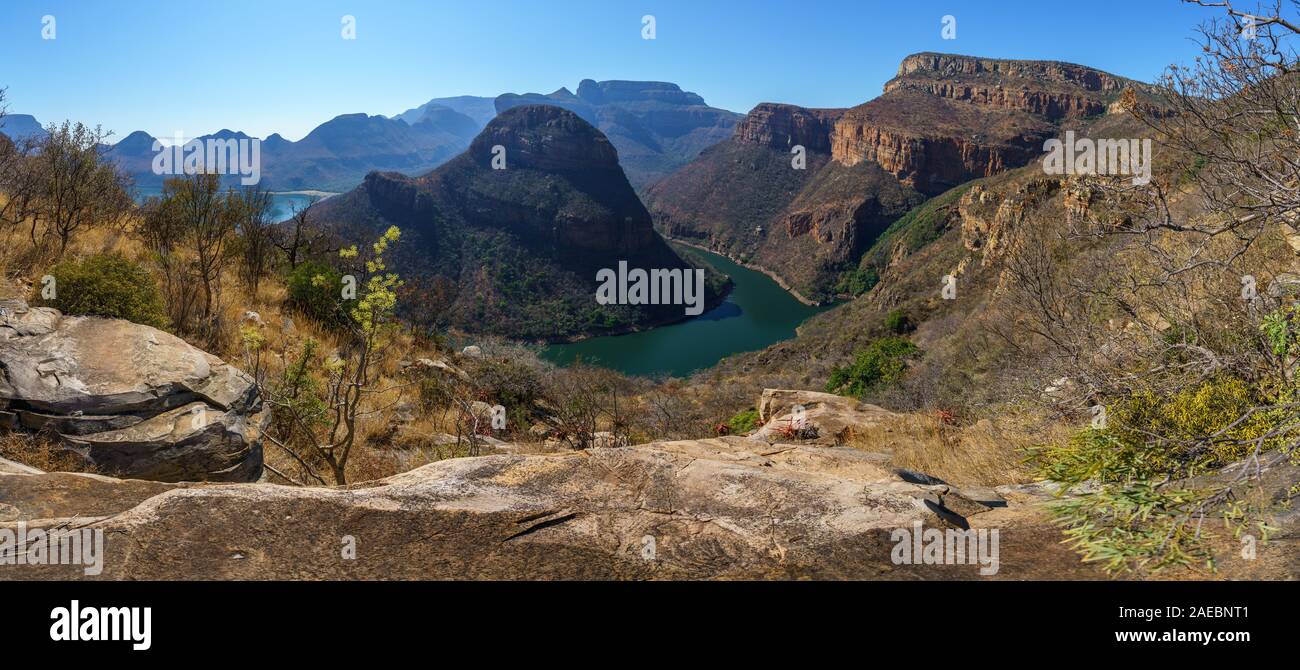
x=756, y=314
x=282, y=204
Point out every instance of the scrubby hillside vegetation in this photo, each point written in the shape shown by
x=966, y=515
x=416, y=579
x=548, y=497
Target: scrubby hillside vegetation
x=1126, y=349
x=1127, y=339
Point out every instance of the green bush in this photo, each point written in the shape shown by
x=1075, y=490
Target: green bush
x=1135, y=514
x=898, y=322
x=883, y=362
x=315, y=289
x=743, y=422
x=105, y=285
x=857, y=281
x=511, y=383
x=1149, y=436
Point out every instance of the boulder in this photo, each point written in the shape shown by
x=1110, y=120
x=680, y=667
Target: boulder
x=132, y=400
x=441, y=366
x=725, y=508
x=826, y=418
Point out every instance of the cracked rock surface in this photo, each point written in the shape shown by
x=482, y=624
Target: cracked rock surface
x=725, y=508
x=133, y=400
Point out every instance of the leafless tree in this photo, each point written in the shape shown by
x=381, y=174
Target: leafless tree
x=257, y=250
x=301, y=238
x=70, y=186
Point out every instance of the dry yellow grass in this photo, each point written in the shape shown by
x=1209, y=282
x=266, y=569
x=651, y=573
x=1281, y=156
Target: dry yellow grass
x=981, y=454
x=41, y=453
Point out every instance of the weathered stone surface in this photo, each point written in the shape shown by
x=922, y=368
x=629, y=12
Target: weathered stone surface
x=132, y=400
x=717, y=508
x=829, y=418
x=785, y=126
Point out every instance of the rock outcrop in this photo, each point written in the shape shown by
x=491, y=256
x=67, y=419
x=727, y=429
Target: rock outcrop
x=508, y=237
x=786, y=126
x=728, y=508
x=131, y=400
x=819, y=418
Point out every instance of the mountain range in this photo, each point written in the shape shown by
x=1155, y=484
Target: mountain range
x=943, y=120
x=655, y=126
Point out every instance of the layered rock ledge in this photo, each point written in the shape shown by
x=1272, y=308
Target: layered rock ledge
x=133, y=401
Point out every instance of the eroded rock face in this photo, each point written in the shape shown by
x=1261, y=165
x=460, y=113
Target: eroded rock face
x=784, y=126
x=1050, y=89
x=819, y=418
x=716, y=508
x=132, y=400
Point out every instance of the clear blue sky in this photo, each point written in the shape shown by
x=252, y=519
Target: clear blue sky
x=266, y=66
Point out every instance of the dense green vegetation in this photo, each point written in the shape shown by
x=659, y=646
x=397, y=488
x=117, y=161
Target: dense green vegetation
x=743, y=422
x=883, y=362
x=104, y=285
x=314, y=289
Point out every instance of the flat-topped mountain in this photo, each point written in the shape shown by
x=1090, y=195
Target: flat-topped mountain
x=943, y=120
x=21, y=126
x=515, y=251
x=656, y=126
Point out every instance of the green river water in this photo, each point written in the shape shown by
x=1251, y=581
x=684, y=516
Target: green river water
x=757, y=313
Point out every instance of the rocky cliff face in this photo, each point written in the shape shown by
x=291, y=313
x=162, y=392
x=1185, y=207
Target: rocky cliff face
x=943, y=121
x=946, y=119
x=1049, y=89
x=785, y=126
x=935, y=158
x=515, y=251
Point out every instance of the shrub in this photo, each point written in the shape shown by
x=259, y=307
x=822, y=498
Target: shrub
x=511, y=383
x=106, y=285
x=898, y=322
x=883, y=362
x=314, y=289
x=1136, y=515
x=857, y=281
x=743, y=422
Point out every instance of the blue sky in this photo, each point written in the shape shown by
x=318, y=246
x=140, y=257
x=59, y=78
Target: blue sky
x=266, y=66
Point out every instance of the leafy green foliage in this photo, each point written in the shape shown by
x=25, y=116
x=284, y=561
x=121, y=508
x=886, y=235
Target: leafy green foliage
x=314, y=289
x=857, y=281
x=1281, y=329
x=898, y=322
x=107, y=285
x=883, y=362
x=1131, y=515
x=922, y=225
x=743, y=422
x=1136, y=526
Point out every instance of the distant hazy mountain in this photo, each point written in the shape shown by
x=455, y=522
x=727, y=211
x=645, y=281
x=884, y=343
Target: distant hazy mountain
x=18, y=126
x=480, y=109
x=516, y=251
x=656, y=126
x=335, y=156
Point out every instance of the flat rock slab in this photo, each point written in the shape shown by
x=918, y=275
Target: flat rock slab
x=727, y=508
